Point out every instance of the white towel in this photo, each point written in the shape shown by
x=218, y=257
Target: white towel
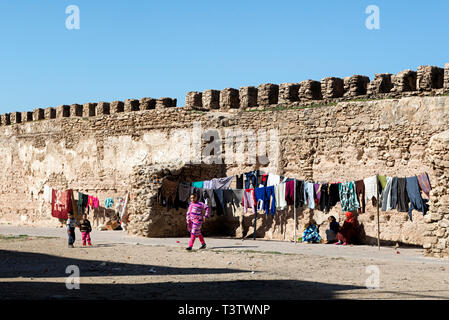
x=370, y=188
x=279, y=193
x=47, y=194
x=273, y=179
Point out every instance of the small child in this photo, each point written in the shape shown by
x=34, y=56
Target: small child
x=71, y=224
x=195, y=219
x=85, y=229
x=333, y=230
x=311, y=234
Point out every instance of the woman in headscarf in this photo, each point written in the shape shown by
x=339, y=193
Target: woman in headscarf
x=311, y=234
x=349, y=232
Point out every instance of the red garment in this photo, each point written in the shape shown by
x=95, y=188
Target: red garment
x=61, y=204
x=290, y=192
x=350, y=229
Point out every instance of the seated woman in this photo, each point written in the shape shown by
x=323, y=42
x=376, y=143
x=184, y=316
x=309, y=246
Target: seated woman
x=349, y=232
x=311, y=234
x=334, y=228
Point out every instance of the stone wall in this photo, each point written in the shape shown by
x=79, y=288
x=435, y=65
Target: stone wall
x=436, y=242
x=328, y=131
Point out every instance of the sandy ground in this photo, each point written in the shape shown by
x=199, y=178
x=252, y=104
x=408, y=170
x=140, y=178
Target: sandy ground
x=33, y=266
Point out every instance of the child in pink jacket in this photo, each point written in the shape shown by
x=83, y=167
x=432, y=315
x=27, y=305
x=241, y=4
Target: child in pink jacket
x=195, y=220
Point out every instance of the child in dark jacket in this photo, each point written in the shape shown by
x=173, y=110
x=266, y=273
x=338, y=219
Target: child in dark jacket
x=85, y=229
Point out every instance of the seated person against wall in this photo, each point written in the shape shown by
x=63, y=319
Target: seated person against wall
x=334, y=228
x=349, y=232
x=311, y=234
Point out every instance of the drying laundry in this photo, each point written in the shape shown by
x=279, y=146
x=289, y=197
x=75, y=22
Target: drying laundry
x=414, y=194
x=403, y=198
x=61, y=204
x=371, y=187
x=360, y=192
x=279, y=191
x=424, y=183
x=309, y=194
x=348, y=197
x=386, y=195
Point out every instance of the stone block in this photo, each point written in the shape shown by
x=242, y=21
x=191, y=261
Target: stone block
x=446, y=76
x=229, y=98
x=16, y=117
x=248, y=97
x=356, y=85
x=381, y=83
x=76, y=110
x=288, y=92
x=147, y=103
x=38, y=114
x=444, y=223
x=404, y=81
x=332, y=87
x=50, y=113
x=165, y=103
x=267, y=94
x=27, y=116
x=62, y=111
x=429, y=77
x=310, y=90
x=5, y=119
x=132, y=105
x=194, y=99
x=211, y=99
x=103, y=108
x=89, y=109
x=117, y=107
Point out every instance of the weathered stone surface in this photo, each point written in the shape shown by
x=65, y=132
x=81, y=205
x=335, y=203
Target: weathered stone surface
x=27, y=116
x=5, y=119
x=134, y=105
x=165, y=102
x=102, y=108
x=248, y=97
x=89, y=109
x=38, y=114
x=381, y=83
x=446, y=76
x=63, y=111
x=310, y=90
x=16, y=117
x=229, y=98
x=267, y=94
x=332, y=87
x=211, y=99
x=50, y=113
x=404, y=81
x=117, y=107
x=194, y=100
x=288, y=92
x=76, y=110
x=147, y=103
x=356, y=85
x=429, y=77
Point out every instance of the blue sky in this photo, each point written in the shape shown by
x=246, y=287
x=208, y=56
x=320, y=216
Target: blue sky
x=135, y=49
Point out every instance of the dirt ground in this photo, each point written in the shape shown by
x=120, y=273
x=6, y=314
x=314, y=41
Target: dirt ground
x=34, y=267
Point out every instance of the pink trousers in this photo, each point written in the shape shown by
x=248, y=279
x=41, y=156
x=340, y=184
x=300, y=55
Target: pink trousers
x=192, y=239
x=85, y=236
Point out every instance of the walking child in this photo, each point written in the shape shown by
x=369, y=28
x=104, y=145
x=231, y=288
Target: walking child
x=195, y=220
x=85, y=229
x=71, y=224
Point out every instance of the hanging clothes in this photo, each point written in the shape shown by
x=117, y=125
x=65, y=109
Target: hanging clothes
x=239, y=181
x=386, y=195
x=219, y=199
x=264, y=180
x=414, y=194
x=299, y=193
x=183, y=192
x=309, y=194
x=324, y=198
x=61, y=204
x=198, y=184
x=403, y=199
x=273, y=179
x=394, y=193
x=47, y=194
x=279, y=191
x=334, y=194
x=317, y=190
x=228, y=200
x=222, y=183
x=237, y=194
x=360, y=192
x=382, y=181
x=371, y=186
x=424, y=183
x=290, y=192
x=249, y=200
x=259, y=195
x=108, y=203
x=208, y=184
x=348, y=197
x=168, y=193
x=266, y=199
x=209, y=198
x=251, y=179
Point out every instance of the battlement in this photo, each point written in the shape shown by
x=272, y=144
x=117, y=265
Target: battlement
x=427, y=80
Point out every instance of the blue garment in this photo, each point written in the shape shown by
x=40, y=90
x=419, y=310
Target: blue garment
x=219, y=199
x=414, y=195
x=265, y=199
x=251, y=178
x=198, y=184
x=309, y=194
x=108, y=203
x=311, y=234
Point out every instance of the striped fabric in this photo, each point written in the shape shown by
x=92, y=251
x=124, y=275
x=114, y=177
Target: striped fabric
x=424, y=183
x=195, y=217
